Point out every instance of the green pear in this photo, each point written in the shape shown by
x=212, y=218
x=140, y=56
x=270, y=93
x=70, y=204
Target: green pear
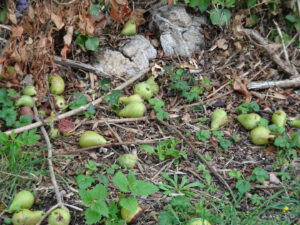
x=91, y=138
x=261, y=136
x=143, y=89
x=129, y=28
x=60, y=102
x=57, y=84
x=29, y=90
x=25, y=100
x=22, y=200
x=153, y=85
x=279, y=118
x=295, y=123
x=27, y=217
x=198, y=221
x=59, y=217
x=129, y=99
x=249, y=121
x=218, y=119
x=131, y=217
x=127, y=160
x=133, y=110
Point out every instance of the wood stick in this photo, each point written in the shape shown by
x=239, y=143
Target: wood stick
x=80, y=65
x=74, y=111
x=281, y=83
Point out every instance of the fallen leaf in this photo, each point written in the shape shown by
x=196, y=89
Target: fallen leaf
x=65, y=126
x=69, y=35
x=137, y=16
x=17, y=31
x=222, y=44
x=57, y=20
x=241, y=86
x=120, y=10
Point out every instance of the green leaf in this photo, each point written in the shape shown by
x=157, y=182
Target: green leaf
x=260, y=174
x=9, y=115
x=121, y=182
x=148, y=148
x=92, y=43
x=94, y=213
x=224, y=143
x=94, y=9
x=80, y=40
x=129, y=203
x=84, y=182
x=162, y=114
x=201, y=4
x=3, y=14
x=99, y=192
x=235, y=174
x=251, y=3
x=282, y=142
x=248, y=107
x=203, y=135
x=220, y=17
x=113, y=98
x=156, y=103
x=23, y=121
x=290, y=18
x=243, y=186
x=143, y=188
x=79, y=100
x=229, y=3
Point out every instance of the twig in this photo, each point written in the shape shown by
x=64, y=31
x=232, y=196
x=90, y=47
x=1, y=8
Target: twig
x=74, y=111
x=49, y=159
x=282, y=42
x=261, y=42
x=5, y=27
x=80, y=65
x=70, y=152
x=196, y=152
x=281, y=83
x=47, y=213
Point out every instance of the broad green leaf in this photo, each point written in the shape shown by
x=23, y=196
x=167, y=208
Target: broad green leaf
x=148, y=148
x=220, y=17
x=129, y=203
x=243, y=186
x=120, y=180
x=84, y=182
x=201, y=4
x=92, y=43
x=143, y=188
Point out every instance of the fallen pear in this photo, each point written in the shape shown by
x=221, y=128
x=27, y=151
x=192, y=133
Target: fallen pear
x=295, y=123
x=131, y=217
x=25, y=100
x=129, y=99
x=129, y=28
x=279, y=118
x=296, y=138
x=127, y=160
x=57, y=84
x=218, y=119
x=249, y=121
x=133, y=110
x=261, y=136
x=22, y=200
x=60, y=102
x=29, y=90
x=153, y=85
x=27, y=217
x=59, y=217
x=91, y=138
x=198, y=221
x=143, y=89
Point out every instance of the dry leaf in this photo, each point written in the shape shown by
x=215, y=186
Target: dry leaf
x=57, y=20
x=69, y=35
x=241, y=86
x=137, y=16
x=222, y=44
x=17, y=31
x=120, y=12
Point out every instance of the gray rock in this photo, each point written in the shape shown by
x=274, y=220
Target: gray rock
x=140, y=50
x=179, y=32
x=115, y=63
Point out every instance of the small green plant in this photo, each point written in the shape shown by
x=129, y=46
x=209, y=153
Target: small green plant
x=99, y=7
x=104, y=84
x=113, y=99
x=176, y=186
x=203, y=135
x=165, y=149
x=248, y=107
x=78, y=101
x=158, y=105
x=223, y=143
x=259, y=175
x=86, y=41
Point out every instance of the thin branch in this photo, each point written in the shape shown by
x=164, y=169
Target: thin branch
x=74, y=111
x=49, y=159
x=281, y=83
x=202, y=159
x=282, y=42
x=47, y=213
x=125, y=143
x=80, y=65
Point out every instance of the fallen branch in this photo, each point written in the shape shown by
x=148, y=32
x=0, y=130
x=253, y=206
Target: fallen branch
x=125, y=143
x=75, y=111
x=80, y=65
x=202, y=159
x=289, y=68
x=281, y=83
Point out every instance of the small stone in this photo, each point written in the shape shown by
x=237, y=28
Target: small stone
x=274, y=179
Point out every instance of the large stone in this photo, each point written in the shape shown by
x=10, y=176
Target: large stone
x=115, y=63
x=140, y=50
x=179, y=32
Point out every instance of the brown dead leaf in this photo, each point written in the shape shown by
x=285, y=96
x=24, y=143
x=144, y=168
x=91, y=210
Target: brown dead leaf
x=65, y=126
x=222, y=44
x=241, y=86
x=69, y=35
x=120, y=10
x=12, y=17
x=57, y=20
x=137, y=16
x=17, y=31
